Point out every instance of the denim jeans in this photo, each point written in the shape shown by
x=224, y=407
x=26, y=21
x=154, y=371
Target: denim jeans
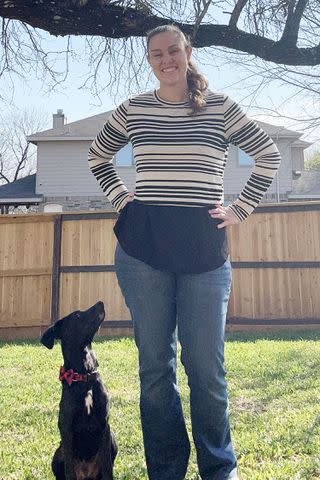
x=194, y=305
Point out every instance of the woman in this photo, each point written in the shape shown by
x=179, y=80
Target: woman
x=171, y=259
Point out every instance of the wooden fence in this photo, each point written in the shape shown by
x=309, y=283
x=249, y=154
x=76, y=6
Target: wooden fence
x=51, y=264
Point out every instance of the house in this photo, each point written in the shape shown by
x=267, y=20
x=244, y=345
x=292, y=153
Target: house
x=307, y=187
x=291, y=148
x=19, y=193
x=63, y=180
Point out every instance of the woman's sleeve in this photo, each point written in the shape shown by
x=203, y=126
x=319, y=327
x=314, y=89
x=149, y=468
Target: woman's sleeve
x=107, y=143
x=247, y=135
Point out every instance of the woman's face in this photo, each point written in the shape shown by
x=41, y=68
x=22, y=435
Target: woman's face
x=169, y=57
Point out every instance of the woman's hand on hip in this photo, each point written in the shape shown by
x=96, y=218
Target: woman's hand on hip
x=224, y=213
x=129, y=198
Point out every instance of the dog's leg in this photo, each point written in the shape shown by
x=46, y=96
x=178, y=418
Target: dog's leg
x=68, y=455
x=107, y=455
x=114, y=447
x=58, y=464
x=69, y=469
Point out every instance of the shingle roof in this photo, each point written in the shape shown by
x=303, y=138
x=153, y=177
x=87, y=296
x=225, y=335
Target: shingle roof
x=278, y=130
x=22, y=190
x=308, y=185
x=87, y=128
x=84, y=128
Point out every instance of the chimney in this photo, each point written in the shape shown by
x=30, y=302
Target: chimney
x=59, y=119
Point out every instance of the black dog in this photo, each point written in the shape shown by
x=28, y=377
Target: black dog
x=88, y=448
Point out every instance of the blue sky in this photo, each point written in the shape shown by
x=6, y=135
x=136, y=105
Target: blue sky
x=78, y=103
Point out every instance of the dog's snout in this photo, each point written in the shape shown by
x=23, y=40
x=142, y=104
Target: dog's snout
x=100, y=305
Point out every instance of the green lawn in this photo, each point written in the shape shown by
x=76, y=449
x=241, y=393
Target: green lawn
x=274, y=390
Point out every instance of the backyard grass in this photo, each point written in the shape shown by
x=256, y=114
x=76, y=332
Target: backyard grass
x=274, y=392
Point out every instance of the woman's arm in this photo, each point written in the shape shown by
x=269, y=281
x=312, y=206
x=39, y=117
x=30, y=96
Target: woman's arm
x=252, y=139
x=107, y=143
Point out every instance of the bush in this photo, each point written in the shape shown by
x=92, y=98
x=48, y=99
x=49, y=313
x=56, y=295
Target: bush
x=313, y=163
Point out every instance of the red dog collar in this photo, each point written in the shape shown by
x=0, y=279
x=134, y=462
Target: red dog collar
x=70, y=376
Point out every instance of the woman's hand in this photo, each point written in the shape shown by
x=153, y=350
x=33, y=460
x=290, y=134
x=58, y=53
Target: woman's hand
x=225, y=214
x=129, y=198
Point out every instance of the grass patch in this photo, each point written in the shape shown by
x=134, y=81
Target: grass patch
x=274, y=391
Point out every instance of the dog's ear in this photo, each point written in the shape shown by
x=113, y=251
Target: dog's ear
x=51, y=334
x=47, y=338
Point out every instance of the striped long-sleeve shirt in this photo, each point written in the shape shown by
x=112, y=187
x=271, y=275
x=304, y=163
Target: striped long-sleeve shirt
x=180, y=158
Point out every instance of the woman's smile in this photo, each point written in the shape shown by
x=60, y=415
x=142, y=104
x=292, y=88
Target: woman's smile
x=169, y=69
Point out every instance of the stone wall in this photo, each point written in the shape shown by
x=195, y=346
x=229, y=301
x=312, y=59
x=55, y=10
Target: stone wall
x=78, y=203
x=267, y=198
x=70, y=204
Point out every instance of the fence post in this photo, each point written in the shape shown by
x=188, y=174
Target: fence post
x=56, y=264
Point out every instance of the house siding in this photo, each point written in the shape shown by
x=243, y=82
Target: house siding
x=63, y=170
x=297, y=158
x=236, y=176
x=63, y=175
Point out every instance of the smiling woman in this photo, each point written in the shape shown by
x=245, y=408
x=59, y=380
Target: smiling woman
x=169, y=56
x=171, y=259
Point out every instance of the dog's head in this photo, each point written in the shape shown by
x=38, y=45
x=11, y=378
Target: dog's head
x=77, y=329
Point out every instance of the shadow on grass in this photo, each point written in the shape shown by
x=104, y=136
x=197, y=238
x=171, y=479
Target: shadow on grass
x=243, y=337
x=35, y=342
x=277, y=335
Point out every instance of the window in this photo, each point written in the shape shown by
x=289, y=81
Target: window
x=124, y=158
x=244, y=159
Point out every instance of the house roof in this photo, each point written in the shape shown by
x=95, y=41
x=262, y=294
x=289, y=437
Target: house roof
x=84, y=129
x=87, y=129
x=307, y=186
x=302, y=143
x=278, y=130
x=21, y=191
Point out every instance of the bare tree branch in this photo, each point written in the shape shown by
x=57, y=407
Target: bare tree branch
x=284, y=32
x=270, y=50
x=22, y=161
x=3, y=174
x=300, y=104
x=120, y=20
x=201, y=7
x=17, y=156
x=291, y=29
x=239, y=6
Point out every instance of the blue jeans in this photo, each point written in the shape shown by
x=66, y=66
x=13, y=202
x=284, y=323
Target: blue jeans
x=159, y=302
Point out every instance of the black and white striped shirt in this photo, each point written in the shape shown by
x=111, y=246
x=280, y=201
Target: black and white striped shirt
x=180, y=158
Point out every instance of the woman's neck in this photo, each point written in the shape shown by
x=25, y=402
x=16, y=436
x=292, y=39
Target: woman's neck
x=173, y=94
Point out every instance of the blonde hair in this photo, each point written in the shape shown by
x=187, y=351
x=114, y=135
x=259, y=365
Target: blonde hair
x=197, y=83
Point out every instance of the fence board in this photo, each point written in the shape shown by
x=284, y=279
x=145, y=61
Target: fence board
x=88, y=242
x=26, y=272
x=80, y=290
x=275, y=293
x=25, y=246
x=25, y=301
x=277, y=236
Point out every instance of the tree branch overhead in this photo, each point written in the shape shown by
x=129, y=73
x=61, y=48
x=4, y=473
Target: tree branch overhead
x=121, y=19
x=291, y=29
x=239, y=6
